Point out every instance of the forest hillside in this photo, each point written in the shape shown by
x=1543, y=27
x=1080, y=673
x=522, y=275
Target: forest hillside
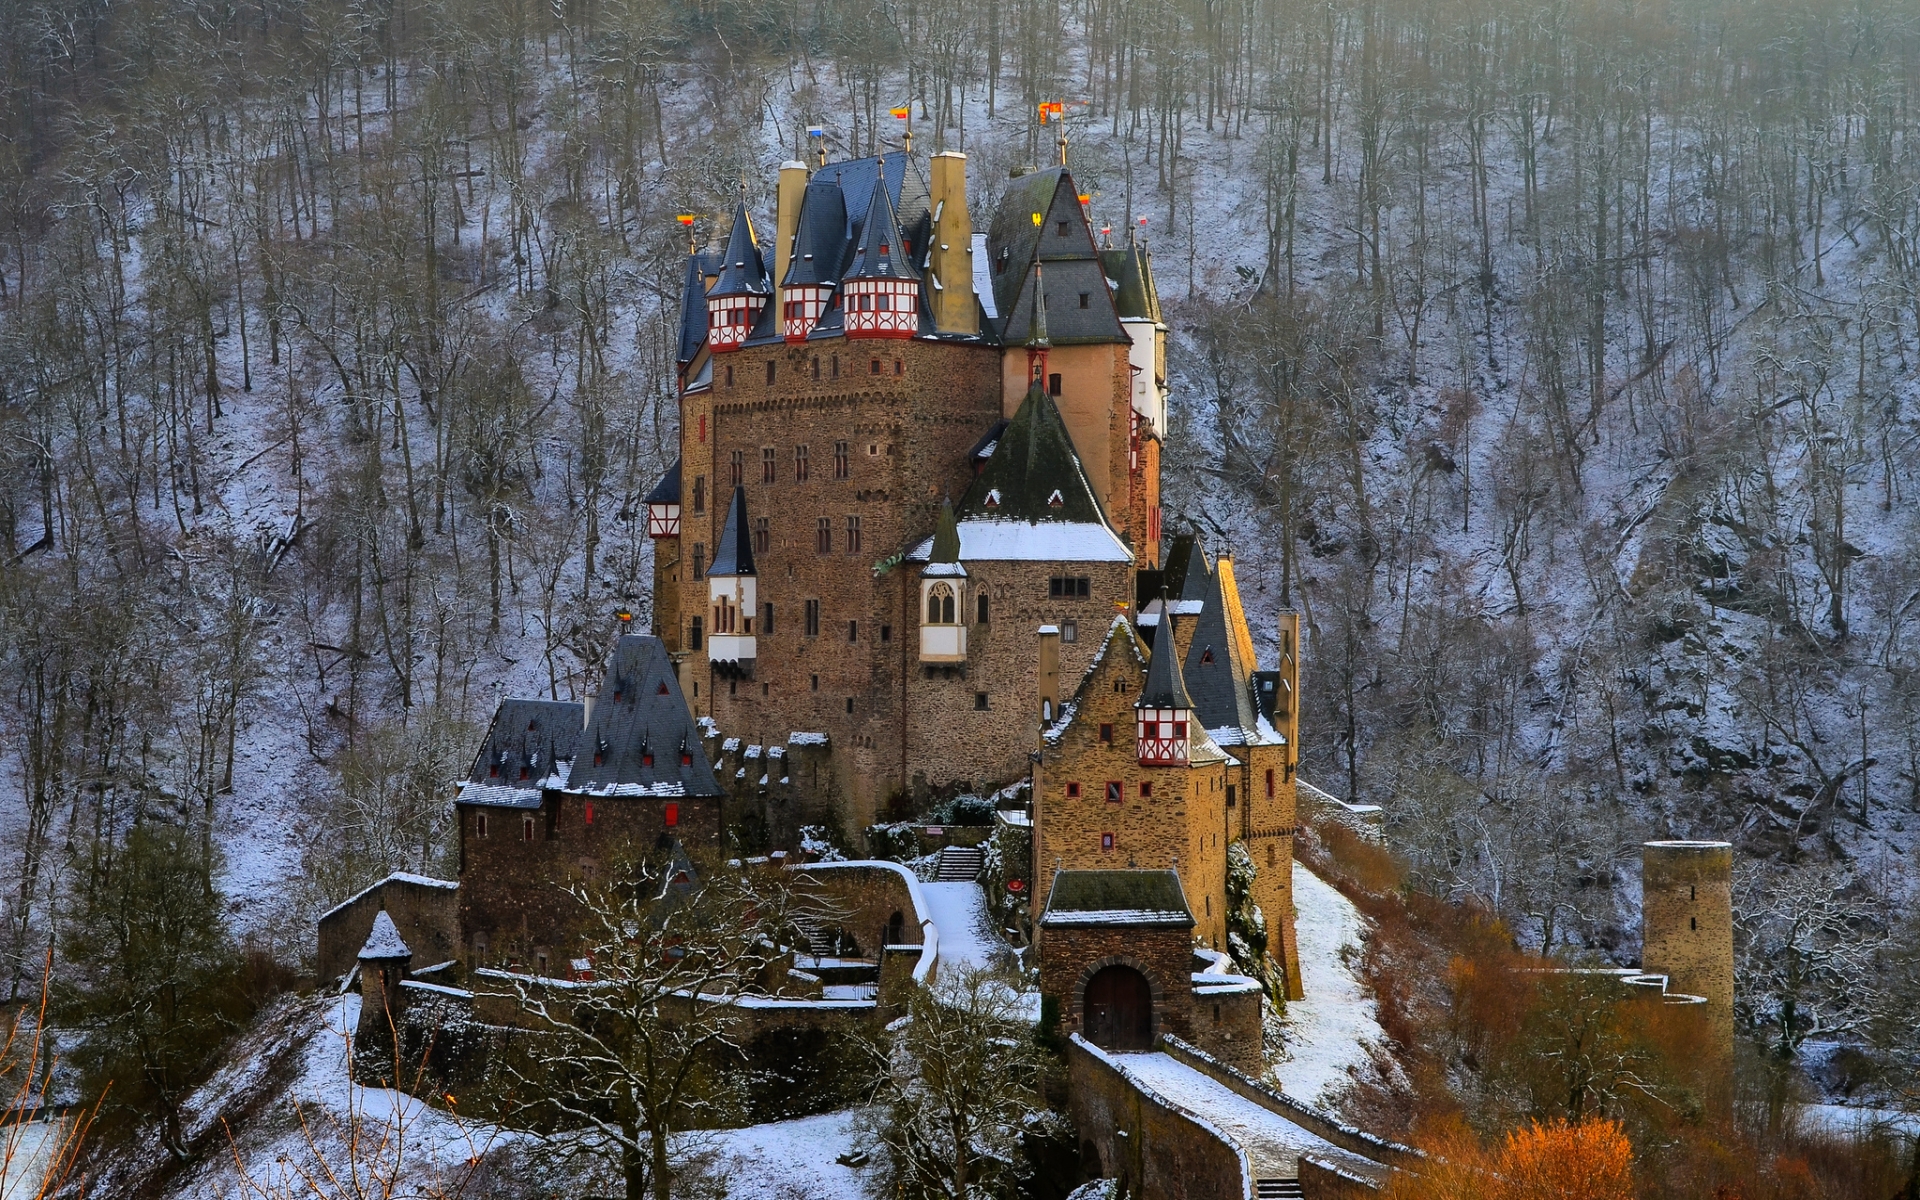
x=1555, y=359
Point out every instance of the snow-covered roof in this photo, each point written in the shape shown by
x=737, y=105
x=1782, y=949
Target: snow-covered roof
x=1120, y=897
x=396, y=877
x=984, y=539
x=384, y=941
x=498, y=795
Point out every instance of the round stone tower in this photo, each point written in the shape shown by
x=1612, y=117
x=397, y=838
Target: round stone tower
x=1687, y=924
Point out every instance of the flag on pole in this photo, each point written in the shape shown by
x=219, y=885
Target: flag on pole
x=685, y=218
x=903, y=111
x=1050, y=108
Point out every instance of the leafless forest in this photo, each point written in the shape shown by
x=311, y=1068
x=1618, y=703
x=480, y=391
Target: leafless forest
x=1555, y=358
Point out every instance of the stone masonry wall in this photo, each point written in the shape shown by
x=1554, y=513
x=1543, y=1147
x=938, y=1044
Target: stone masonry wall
x=1687, y=913
x=425, y=912
x=1069, y=957
x=513, y=898
x=1157, y=1151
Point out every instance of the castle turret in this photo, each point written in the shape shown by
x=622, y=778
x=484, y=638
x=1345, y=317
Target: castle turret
x=1687, y=924
x=813, y=268
x=943, y=600
x=1164, y=710
x=735, y=301
x=880, y=291
x=384, y=961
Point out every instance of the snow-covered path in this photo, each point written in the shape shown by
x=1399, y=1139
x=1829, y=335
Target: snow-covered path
x=1273, y=1145
x=968, y=940
x=788, y=1160
x=1327, y=1034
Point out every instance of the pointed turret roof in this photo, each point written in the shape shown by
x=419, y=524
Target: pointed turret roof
x=1034, y=473
x=1197, y=583
x=1135, y=295
x=882, y=252
x=1166, y=687
x=735, y=555
x=693, y=303
x=641, y=730
x=946, y=537
x=384, y=940
x=1037, y=314
x=820, y=243
x=743, y=272
x=1220, y=665
x=667, y=491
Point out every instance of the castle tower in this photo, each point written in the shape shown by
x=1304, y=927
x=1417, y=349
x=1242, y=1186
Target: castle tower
x=1687, y=924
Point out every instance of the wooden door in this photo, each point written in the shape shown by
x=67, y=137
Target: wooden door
x=1119, y=1009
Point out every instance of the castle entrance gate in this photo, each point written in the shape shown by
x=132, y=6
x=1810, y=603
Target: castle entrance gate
x=1119, y=1009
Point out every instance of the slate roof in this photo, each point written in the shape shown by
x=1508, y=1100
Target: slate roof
x=1219, y=666
x=735, y=555
x=667, y=491
x=524, y=742
x=1165, y=686
x=1073, y=263
x=881, y=252
x=693, y=303
x=641, y=711
x=742, y=273
x=1135, y=295
x=1152, y=899
x=823, y=237
x=1033, y=461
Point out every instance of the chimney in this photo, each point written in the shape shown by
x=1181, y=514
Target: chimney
x=1049, y=674
x=793, y=185
x=950, y=258
x=1286, y=700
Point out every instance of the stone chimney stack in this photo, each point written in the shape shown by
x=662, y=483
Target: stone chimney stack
x=1286, y=700
x=793, y=185
x=951, y=255
x=1049, y=674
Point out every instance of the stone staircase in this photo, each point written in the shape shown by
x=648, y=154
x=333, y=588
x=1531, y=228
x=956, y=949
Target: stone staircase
x=813, y=936
x=958, y=864
x=1277, y=1189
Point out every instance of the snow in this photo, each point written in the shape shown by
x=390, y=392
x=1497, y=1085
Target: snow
x=1272, y=1143
x=1118, y=916
x=396, y=877
x=384, y=941
x=494, y=795
x=967, y=939
x=1848, y=1119
x=27, y=1149
x=806, y=739
x=986, y=540
x=787, y=1160
x=1326, y=1035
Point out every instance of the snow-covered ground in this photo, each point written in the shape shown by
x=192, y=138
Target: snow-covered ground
x=968, y=940
x=788, y=1160
x=26, y=1151
x=1327, y=1035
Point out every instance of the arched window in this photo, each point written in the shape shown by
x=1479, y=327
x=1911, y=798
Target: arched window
x=983, y=608
x=940, y=604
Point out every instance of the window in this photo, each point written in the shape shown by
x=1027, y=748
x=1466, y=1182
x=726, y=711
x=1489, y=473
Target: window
x=1069, y=587
x=1693, y=922
x=1085, y=302
x=853, y=535
x=899, y=367
x=766, y=619
x=874, y=368
x=1060, y=228
x=1273, y=857
x=1053, y=384
x=984, y=610
x=672, y=815
x=766, y=464
x=940, y=604
x=762, y=535
x=836, y=366
x=886, y=634
x=823, y=536
x=1114, y=791
x=1230, y=796
x=814, y=682
x=703, y=429
x=700, y=493
x=980, y=702
x=1206, y=656
x=694, y=629
x=1146, y=791
x=1073, y=791
x=1106, y=735
x=526, y=828
x=849, y=705
x=736, y=468
x=729, y=374
x=699, y=560
x=479, y=824
x=816, y=366
x=587, y=814
x=1106, y=843
x=799, y=464
x=813, y=630
x=842, y=463
x=1069, y=631
x=853, y=631
x=1269, y=784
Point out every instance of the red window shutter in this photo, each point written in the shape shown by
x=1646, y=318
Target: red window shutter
x=673, y=815
x=589, y=812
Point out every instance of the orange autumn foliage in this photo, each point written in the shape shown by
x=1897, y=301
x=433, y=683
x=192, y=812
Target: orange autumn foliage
x=1561, y=1160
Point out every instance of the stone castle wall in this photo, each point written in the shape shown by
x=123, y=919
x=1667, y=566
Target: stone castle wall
x=425, y=911
x=1687, y=923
